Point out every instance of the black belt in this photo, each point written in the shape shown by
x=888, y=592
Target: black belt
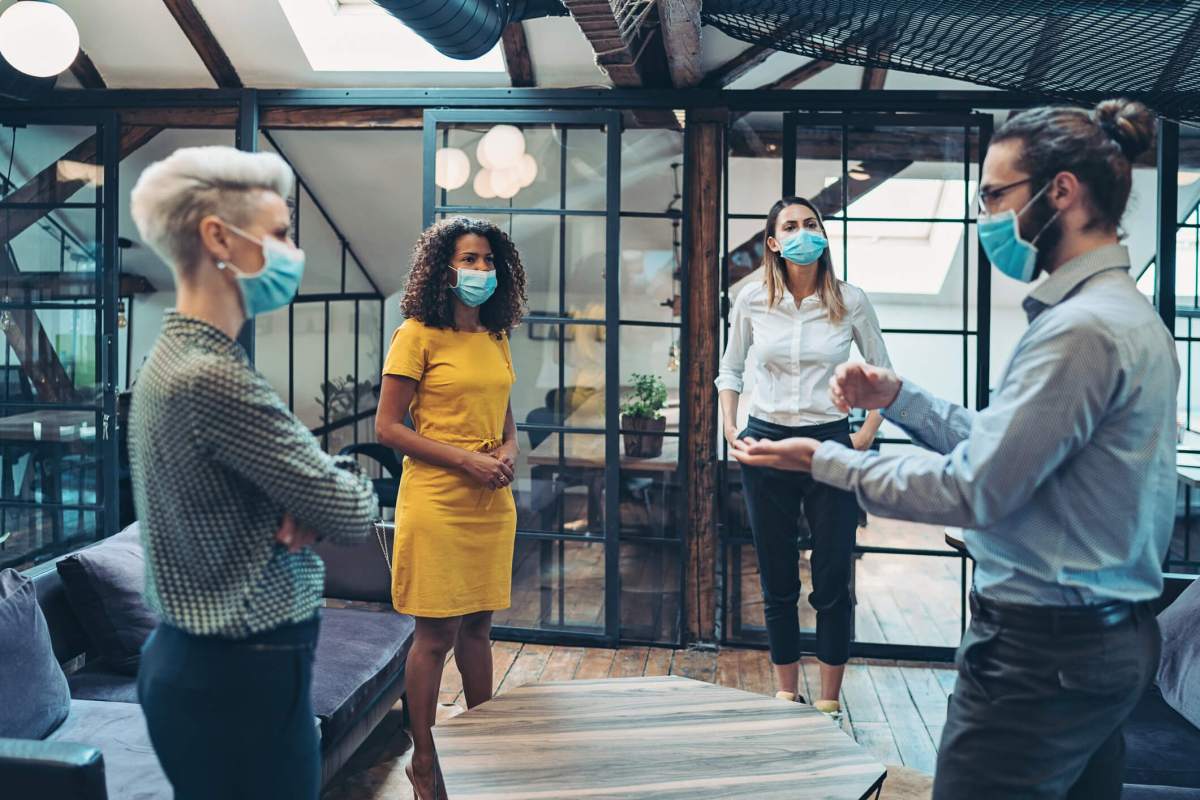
x=1057, y=619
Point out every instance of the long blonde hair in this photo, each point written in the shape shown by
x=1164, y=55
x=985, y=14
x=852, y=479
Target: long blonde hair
x=829, y=291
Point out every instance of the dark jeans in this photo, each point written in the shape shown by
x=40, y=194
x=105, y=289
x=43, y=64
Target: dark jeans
x=233, y=719
x=775, y=499
x=1038, y=715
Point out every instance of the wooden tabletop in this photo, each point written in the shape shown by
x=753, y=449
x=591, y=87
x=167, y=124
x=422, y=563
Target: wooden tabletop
x=49, y=425
x=1187, y=467
x=666, y=738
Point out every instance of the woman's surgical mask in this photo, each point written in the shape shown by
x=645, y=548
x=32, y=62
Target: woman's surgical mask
x=804, y=247
x=276, y=284
x=474, y=286
x=1000, y=235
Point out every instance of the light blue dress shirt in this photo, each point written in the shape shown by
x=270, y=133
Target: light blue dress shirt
x=1065, y=485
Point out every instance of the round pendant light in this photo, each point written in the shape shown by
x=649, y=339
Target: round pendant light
x=527, y=169
x=483, y=185
x=452, y=168
x=501, y=147
x=38, y=38
x=506, y=183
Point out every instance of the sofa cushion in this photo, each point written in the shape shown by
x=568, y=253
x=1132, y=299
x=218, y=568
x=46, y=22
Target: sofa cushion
x=33, y=690
x=1160, y=745
x=96, y=682
x=131, y=770
x=360, y=652
x=104, y=584
x=1179, y=670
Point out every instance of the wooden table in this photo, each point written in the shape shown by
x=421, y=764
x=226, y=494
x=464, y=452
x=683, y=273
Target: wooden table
x=659, y=738
x=586, y=450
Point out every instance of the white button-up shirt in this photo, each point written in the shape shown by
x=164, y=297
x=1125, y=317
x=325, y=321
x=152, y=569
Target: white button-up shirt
x=792, y=351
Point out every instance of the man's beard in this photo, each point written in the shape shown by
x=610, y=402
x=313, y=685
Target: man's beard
x=1035, y=223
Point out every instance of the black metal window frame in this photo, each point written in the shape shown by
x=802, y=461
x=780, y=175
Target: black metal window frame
x=250, y=102
x=733, y=540
x=435, y=206
x=103, y=303
x=326, y=299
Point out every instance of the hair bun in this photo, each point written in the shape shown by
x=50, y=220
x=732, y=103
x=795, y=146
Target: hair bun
x=1128, y=123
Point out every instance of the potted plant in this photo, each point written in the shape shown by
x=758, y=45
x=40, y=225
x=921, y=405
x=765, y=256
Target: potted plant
x=641, y=418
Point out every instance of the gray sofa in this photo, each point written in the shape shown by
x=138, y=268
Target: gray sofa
x=1162, y=749
x=102, y=750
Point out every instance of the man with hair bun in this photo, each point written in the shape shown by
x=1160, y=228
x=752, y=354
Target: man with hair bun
x=1064, y=484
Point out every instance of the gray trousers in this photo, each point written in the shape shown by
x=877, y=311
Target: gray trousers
x=1038, y=716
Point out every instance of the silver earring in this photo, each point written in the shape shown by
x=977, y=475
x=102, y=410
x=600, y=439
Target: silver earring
x=220, y=265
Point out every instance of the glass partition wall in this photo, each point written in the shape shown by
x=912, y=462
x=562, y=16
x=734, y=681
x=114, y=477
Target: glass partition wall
x=896, y=193
x=596, y=219
x=58, y=293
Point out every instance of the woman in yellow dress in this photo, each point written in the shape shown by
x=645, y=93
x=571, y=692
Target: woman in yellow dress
x=450, y=366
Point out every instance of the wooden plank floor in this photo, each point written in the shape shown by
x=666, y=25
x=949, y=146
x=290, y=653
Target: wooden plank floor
x=894, y=710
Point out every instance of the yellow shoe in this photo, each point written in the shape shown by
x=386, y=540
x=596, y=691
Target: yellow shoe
x=791, y=697
x=830, y=708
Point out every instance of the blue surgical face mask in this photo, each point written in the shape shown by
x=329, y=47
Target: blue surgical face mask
x=804, y=247
x=1000, y=235
x=273, y=286
x=475, y=286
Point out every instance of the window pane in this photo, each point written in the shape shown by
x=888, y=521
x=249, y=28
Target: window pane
x=903, y=599
x=543, y=143
x=309, y=371
x=60, y=152
x=556, y=586
x=560, y=374
x=650, y=589
x=650, y=270
x=909, y=172
x=559, y=485
x=648, y=181
x=755, y=172
x=50, y=355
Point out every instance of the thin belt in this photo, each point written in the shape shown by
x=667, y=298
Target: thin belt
x=1057, y=619
x=825, y=429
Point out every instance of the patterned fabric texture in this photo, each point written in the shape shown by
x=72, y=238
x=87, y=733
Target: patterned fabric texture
x=218, y=459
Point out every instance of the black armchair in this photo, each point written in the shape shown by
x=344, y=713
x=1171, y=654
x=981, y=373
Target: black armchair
x=387, y=487
x=62, y=770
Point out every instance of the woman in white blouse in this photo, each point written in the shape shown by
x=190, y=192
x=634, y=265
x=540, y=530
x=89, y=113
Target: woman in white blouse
x=791, y=330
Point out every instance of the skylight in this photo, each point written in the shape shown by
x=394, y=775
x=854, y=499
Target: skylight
x=906, y=256
x=358, y=36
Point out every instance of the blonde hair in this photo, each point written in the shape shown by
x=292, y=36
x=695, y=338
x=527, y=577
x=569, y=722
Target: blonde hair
x=829, y=290
x=172, y=196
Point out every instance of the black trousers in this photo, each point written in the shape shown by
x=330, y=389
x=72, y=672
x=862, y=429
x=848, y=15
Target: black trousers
x=1038, y=715
x=233, y=719
x=775, y=499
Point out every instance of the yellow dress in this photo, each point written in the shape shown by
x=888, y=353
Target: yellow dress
x=454, y=537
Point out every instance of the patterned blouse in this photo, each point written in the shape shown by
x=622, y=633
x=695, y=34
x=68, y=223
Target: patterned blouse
x=217, y=460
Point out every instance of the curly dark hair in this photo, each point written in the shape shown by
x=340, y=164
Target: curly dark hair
x=429, y=297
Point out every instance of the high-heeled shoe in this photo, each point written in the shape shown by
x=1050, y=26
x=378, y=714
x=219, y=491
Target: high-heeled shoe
x=438, y=789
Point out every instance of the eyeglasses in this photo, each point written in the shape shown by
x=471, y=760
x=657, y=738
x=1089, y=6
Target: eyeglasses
x=989, y=197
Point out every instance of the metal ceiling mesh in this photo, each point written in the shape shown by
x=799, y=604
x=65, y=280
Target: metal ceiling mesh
x=1070, y=50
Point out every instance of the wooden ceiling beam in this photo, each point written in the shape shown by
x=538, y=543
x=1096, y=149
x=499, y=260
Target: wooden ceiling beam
x=206, y=45
x=516, y=56
x=679, y=22
x=873, y=79
x=86, y=73
x=294, y=118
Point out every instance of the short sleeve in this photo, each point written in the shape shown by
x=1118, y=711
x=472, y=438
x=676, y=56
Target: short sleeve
x=406, y=356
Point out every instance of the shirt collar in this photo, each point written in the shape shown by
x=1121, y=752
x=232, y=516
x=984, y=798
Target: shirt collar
x=201, y=333
x=1063, y=282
